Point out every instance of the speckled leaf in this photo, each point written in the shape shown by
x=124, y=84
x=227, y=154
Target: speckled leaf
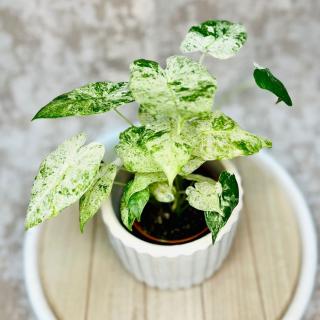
x=193, y=164
x=146, y=150
x=214, y=222
x=185, y=87
x=90, y=99
x=64, y=176
x=216, y=136
x=132, y=210
x=133, y=151
x=162, y=192
x=170, y=155
x=136, y=195
x=205, y=196
x=91, y=201
x=217, y=200
x=218, y=38
x=266, y=80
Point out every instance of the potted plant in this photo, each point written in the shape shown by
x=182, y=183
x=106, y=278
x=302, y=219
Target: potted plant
x=176, y=200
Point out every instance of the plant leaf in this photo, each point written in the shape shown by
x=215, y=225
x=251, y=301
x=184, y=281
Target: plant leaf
x=216, y=136
x=193, y=164
x=214, y=222
x=218, y=38
x=267, y=81
x=205, y=196
x=91, y=201
x=162, y=192
x=146, y=150
x=184, y=87
x=64, y=176
x=217, y=200
x=92, y=98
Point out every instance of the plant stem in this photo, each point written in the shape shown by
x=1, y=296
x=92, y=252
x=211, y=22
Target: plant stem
x=118, y=183
x=202, y=57
x=123, y=117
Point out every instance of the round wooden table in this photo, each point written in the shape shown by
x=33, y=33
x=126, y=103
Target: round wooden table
x=81, y=278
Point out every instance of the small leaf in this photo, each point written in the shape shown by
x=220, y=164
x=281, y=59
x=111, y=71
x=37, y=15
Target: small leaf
x=92, y=98
x=215, y=136
x=205, y=196
x=91, y=201
x=218, y=38
x=162, y=192
x=64, y=176
x=184, y=87
x=217, y=200
x=221, y=197
x=136, y=195
x=266, y=80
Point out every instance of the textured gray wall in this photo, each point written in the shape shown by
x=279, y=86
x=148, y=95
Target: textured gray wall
x=48, y=47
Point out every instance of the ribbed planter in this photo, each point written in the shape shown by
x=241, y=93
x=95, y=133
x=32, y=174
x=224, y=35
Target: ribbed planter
x=177, y=266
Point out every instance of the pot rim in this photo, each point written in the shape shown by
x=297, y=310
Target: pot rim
x=158, y=250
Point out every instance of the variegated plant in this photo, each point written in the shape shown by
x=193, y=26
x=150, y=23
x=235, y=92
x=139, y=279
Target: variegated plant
x=179, y=131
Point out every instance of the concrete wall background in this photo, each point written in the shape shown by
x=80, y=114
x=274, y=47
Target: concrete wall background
x=49, y=47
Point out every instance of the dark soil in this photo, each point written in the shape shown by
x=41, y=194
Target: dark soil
x=159, y=221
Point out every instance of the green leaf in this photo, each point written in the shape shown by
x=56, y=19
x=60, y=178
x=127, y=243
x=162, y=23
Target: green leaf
x=146, y=150
x=92, y=98
x=229, y=197
x=214, y=222
x=216, y=136
x=91, y=201
x=205, y=196
x=218, y=38
x=184, y=87
x=193, y=164
x=217, y=200
x=162, y=192
x=266, y=80
x=64, y=176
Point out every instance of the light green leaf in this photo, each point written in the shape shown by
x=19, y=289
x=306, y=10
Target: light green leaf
x=198, y=178
x=132, y=210
x=205, y=196
x=193, y=164
x=90, y=99
x=217, y=200
x=216, y=136
x=184, y=87
x=170, y=155
x=162, y=192
x=136, y=195
x=266, y=80
x=91, y=201
x=146, y=150
x=64, y=176
x=221, y=196
x=218, y=38
x=132, y=149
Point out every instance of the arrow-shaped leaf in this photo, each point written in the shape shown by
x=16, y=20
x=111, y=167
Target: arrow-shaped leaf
x=64, y=176
x=184, y=87
x=92, y=98
x=218, y=38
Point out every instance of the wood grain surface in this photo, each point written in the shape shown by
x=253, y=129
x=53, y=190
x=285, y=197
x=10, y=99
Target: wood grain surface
x=83, y=279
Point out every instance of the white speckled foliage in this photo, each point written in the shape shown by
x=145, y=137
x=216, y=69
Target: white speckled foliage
x=64, y=176
x=91, y=201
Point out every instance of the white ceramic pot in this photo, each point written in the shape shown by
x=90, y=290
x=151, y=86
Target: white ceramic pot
x=176, y=266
